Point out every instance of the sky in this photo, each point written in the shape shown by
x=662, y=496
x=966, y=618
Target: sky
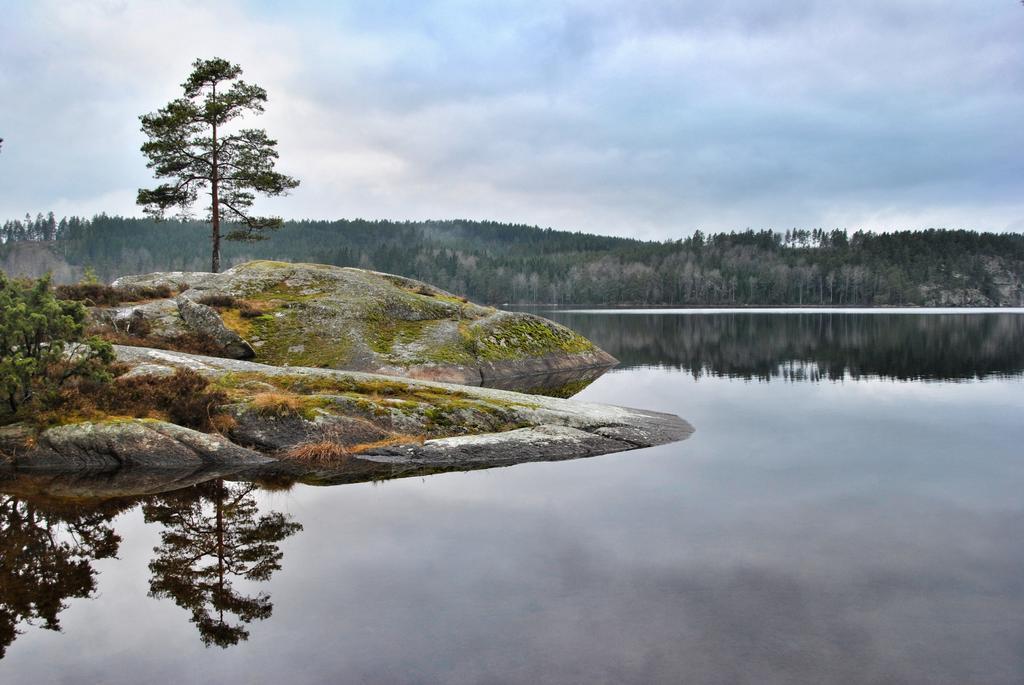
x=642, y=118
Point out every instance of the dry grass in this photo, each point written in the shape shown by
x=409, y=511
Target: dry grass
x=392, y=441
x=277, y=403
x=223, y=423
x=330, y=448
x=318, y=452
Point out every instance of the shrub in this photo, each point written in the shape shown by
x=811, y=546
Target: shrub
x=217, y=300
x=98, y=294
x=246, y=309
x=43, y=345
x=184, y=398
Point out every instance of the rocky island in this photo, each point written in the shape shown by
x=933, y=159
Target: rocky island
x=345, y=318
x=325, y=374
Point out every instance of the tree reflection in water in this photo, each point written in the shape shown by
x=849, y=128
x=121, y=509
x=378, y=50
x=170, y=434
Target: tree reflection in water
x=213, y=533
x=46, y=554
x=811, y=346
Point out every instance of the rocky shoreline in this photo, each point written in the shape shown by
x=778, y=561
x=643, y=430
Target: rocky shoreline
x=529, y=427
x=327, y=373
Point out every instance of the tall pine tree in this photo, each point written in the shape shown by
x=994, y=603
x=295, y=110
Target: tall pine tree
x=189, y=145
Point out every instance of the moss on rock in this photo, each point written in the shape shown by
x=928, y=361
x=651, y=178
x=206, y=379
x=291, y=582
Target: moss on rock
x=343, y=318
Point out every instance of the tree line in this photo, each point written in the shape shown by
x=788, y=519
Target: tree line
x=516, y=264
x=813, y=345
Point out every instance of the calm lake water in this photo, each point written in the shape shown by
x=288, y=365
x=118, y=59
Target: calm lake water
x=849, y=510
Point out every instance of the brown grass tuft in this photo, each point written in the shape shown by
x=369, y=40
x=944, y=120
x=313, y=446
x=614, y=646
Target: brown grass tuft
x=392, y=441
x=318, y=452
x=223, y=423
x=277, y=403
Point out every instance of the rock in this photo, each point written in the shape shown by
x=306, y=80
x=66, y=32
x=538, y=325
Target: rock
x=130, y=442
x=154, y=320
x=107, y=484
x=382, y=425
x=207, y=322
x=443, y=424
x=313, y=315
x=540, y=443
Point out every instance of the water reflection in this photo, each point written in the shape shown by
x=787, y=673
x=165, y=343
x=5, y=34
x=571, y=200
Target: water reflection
x=212, y=534
x=812, y=346
x=46, y=555
x=808, y=533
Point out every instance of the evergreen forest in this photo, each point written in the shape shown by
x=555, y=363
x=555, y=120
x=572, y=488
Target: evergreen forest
x=499, y=263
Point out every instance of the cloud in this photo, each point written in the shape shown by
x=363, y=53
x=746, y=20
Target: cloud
x=648, y=118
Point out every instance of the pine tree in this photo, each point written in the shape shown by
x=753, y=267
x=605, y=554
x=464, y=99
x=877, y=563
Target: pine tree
x=187, y=143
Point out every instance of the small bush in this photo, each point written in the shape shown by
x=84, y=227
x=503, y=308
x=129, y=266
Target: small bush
x=218, y=300
x=93, y=294
x=184, y=398
x=248, y=310
x=98, y=294
x=137, y=326
x=43, y=345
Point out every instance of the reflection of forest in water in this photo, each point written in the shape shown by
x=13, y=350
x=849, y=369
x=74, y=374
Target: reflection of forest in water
x=812, y=346
x=212, y=535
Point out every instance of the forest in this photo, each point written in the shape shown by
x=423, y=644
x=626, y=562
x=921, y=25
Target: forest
x=499, y=263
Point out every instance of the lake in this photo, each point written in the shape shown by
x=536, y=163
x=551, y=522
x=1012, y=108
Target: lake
x=849, y=510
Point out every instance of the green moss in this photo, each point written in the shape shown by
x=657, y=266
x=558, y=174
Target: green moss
x=265, y=264
x=518, y=337
x=286, y=342
x=441, y=412
x=382, y=335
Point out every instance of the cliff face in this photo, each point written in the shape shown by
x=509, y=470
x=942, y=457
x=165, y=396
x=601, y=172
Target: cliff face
x=344, y=318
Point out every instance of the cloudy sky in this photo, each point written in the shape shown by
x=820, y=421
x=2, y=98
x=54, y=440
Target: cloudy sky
x=647, y=118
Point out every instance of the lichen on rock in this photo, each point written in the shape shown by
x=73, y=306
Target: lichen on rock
x=344, y=318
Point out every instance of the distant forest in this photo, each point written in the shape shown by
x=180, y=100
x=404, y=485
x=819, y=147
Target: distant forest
x=503, y=263
x=813, y=346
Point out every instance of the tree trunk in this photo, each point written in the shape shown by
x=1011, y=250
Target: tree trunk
x=215, y=208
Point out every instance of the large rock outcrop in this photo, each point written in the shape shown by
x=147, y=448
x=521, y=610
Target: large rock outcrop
x=378, y=424
x=120, y=443
x=314, y=315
